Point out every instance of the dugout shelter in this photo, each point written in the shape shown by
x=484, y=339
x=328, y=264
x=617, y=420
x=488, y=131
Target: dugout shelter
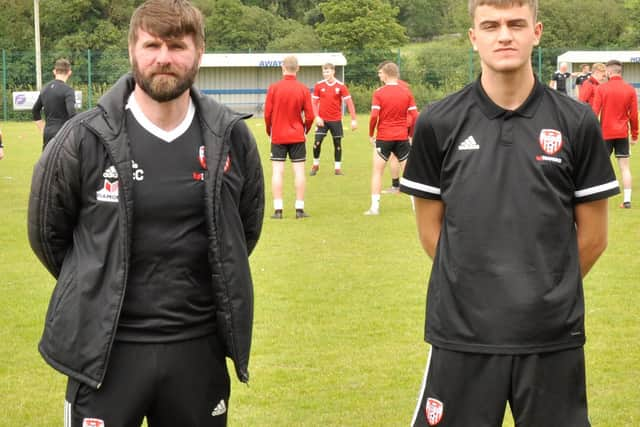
x=241, y=80
x=630, y=64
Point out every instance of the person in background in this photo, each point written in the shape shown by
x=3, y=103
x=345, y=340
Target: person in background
x=582, y=77
x=511, y=181
x=146, y=208
x=57, y=99
x=328, y=96
x=393, y=113
x=616, y=103
x=596, y=77
x=1, y=147
x=288, y=116
x=560, y=78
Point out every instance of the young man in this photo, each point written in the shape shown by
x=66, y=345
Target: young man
x=596, y=77
x=58, y=101
x=582, y=77
x=616, y=104
x=393, y=113
x=560, y=78
x=288, y=116
x=156, y=202
x=328, y=95
x=510, y=180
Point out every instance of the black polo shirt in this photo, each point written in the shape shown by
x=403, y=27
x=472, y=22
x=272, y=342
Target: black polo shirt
x=561, y=80
x=506, y=275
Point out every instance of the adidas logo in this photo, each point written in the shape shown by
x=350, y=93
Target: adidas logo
x=110, y=173
x=220, y=409
x=469, y=144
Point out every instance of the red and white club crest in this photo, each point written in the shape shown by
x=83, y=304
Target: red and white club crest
x=92, y=422
x=550, y=141
x=227, y=164
x=202, y=157
x=434, y=410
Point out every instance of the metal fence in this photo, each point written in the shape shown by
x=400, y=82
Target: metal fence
x=432, y=72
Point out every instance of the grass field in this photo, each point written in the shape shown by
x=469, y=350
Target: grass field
x=339, y=306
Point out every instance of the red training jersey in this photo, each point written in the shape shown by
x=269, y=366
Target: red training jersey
x=288, y=114
x=616, y=103
x=327, y=100
x=588, y=90
x=393, y=113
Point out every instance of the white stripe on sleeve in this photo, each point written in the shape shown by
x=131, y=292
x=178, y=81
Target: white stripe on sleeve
x=421, y=187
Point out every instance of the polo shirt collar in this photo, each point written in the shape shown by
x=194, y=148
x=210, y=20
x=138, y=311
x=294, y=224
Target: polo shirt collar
x=493, y=111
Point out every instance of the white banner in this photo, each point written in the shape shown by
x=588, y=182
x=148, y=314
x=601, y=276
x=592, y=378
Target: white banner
x=26, y=100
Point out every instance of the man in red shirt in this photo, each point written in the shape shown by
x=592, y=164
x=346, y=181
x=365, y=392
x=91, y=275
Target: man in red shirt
x=393, y=114
x=616, y=103
x=288, y=116
x=588, y=88
x=327, y=98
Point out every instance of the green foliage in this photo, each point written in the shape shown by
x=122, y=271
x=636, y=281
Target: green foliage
x=359, y=24
x=299, y=38
x=588, y=24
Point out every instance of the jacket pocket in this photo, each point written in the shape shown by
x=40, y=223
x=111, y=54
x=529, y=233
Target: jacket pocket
x=60, y=292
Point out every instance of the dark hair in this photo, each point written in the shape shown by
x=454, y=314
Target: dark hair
x=168, y=19
x=614, y=62
x=62, y=66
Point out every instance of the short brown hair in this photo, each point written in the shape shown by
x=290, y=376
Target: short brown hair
x=290, y=64
x=168, y=19
x=473, y=5
x=390, y=69
x=598, y=66
x=614, y=66
x=329, y=65
x=62, y=66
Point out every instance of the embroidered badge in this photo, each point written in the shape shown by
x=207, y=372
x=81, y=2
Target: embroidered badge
x=434, y=410
x=550, y=141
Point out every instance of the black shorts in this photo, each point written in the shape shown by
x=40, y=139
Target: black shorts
x=620, y=146
x=183, y=383
x=297, y=152
x=471, y=389
x=399, y=148
x=334, y=127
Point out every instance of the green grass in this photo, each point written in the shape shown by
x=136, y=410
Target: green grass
x=339, y=306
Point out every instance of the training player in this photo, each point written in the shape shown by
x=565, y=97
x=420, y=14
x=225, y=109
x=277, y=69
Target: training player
x=560, y=78
x=511, y=181
x=616, y=103
x=596, y=78
x=288, y=116
x=393, y=113
x=57, y=99
x=328, y=95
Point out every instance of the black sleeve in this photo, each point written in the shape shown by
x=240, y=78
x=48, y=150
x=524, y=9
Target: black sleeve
x=594, y=177
x=252, y=197
x=36, y=111
x=70, y=102
x=53, y=201
x=421, y=176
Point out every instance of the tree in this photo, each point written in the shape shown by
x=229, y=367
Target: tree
x=424, y=19
x=589, y=26
x=351, y=25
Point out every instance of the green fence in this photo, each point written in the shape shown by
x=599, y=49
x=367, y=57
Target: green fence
x=433, y=70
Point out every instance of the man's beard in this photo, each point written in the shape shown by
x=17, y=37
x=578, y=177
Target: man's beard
x=166, y=87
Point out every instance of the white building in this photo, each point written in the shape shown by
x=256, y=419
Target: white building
x=241, y=80
x=630, y=63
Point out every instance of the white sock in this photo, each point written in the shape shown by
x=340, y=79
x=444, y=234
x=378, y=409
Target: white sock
x=316, y=162
x=277, y=204
x=375, y=202
x=337, y=165
x=300, y=204
x=627, y=195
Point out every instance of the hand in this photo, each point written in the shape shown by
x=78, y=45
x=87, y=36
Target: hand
x=319, y=122
x=354, y=124
x=634, y=141
x=373, y=140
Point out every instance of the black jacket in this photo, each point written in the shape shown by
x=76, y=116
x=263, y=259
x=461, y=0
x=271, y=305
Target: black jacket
x=85, y=243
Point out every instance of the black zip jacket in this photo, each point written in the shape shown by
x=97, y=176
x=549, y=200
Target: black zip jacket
x=85, y=243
